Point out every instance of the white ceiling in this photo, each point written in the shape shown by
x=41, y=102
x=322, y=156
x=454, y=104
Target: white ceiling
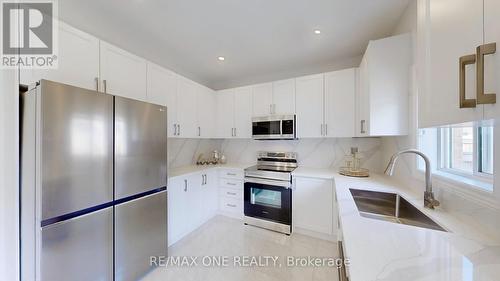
x=262, y=40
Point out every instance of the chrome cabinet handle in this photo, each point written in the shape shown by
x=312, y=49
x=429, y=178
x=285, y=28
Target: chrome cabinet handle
x=185, y=185
x=481, y=51
x=230, y=193
x=463, y=62
x=235, y=132
x=231, y=183
x=231, y=174
x=363, y=122
x=199, y=131
x=175, y=130
x=231, y=205
x=326, y=129
x=96, y=83
x=105, y=85
x=178, y=129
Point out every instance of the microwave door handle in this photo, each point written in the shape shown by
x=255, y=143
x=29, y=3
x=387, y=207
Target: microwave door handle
x=281, y=128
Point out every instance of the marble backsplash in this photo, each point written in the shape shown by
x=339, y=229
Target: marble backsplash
x=313, y=153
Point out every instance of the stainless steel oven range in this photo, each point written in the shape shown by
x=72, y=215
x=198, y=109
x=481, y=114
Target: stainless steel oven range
x=268, y=191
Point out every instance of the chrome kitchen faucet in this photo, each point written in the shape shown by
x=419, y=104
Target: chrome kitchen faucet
x=429, y=200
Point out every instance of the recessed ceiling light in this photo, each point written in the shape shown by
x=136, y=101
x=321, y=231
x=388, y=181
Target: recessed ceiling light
x=221, y=58
x=317, y=31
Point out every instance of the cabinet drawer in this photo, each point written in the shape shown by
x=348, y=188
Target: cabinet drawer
x=231, y=205
x=231, y=193
x=231, y=174
x=229, y=183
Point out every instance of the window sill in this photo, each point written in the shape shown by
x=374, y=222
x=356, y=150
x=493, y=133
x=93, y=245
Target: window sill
x=471, y=184
x=476, y=184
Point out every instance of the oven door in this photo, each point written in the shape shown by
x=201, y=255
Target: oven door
x=268, y=201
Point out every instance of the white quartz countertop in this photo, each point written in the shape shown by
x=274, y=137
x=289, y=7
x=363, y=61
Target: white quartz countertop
x=380, y=250
x=192, y=169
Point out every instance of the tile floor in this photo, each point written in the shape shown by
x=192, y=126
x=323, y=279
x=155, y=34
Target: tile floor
x=227, y=237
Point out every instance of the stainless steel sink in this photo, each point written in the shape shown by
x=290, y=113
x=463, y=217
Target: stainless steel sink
x=392, y=208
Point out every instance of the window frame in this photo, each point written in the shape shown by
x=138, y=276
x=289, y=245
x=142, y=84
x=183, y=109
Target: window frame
x=444, y=155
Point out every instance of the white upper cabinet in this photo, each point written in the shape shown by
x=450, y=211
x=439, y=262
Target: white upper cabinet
x=243, y=113
x=492, y=62
x=234, y=113
x=309, y=99
x=122, y=73
x=224, y=116
x=274, y=98
x=262, y=97
x=284, y=97
x=340, y=93
x=162, y=90
x=384, y=87
x=206, y=112
x=447, y=31
x=186, y=108
x=78, y=61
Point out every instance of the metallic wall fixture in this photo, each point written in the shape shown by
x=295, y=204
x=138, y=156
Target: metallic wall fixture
x=464, y=61
x=483, y=50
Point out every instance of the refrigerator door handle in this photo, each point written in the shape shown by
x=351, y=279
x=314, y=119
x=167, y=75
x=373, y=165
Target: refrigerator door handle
x=185, y=185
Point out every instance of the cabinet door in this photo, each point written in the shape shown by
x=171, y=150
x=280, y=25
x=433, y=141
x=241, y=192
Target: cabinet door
x=262, y=97
x=313, y=205
x=122, y=73
x=177, y=210
x=186, y=108
x=210, y=195
x=243, y=113
x=78, y=61
x=162, y=90
x=340, y=90
x=284, y=97
x=453, y=34
x=362, y=100
x=310, y=90
x=195, y=216
x=224, y=115
x=206, y=112
x=492, y=62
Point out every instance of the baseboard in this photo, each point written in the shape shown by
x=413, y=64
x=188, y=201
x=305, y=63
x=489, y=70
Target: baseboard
x=314, y=234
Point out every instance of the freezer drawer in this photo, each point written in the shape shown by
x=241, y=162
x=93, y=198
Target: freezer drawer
x=140, y=147
x=79, y=249
x=140, y=232
x=76, y=142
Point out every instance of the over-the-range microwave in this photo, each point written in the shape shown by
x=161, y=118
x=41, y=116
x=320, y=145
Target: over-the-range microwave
x=274, y=127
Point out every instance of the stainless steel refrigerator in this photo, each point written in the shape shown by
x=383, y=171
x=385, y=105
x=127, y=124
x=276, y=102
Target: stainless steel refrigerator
x=93, y=184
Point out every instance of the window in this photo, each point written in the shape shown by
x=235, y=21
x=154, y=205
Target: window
x=463, y=151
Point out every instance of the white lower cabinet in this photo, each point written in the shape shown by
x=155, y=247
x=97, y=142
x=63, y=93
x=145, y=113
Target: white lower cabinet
x=192, y=200
x=313, y=210
x=231, y=192
x=177, y=198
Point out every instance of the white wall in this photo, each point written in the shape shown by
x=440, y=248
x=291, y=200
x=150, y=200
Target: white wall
x=9, y=140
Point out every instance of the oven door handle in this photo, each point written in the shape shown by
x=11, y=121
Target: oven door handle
x=284, y=184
